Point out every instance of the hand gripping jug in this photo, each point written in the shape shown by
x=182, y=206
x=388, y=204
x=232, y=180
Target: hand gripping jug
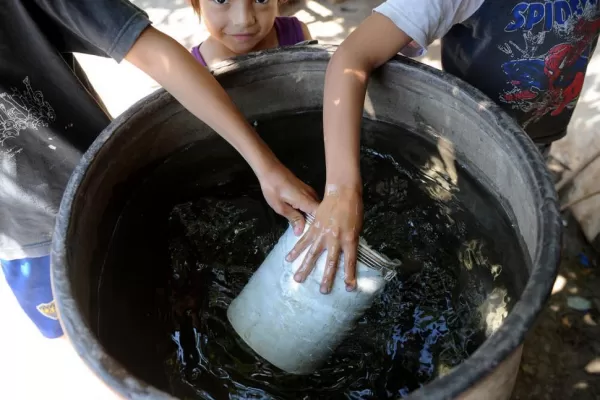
x=293, y=325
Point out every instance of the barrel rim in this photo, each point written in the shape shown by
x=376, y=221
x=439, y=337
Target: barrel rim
x=506, y=340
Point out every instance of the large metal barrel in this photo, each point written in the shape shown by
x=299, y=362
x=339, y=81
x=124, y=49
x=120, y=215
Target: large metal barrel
x=433, y=106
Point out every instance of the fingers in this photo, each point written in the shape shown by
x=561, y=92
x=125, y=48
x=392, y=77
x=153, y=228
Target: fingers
x=350, y=254
x=295, y=218
x=301, y=245
x=307, y=203
x=333, y=256
x=303, y=199
x=308, y=264
x=313, y=193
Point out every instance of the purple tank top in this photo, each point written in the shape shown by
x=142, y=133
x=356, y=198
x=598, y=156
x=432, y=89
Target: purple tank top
x=288, y=29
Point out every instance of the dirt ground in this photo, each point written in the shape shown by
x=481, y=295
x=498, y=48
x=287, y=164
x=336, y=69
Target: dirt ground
x=561, y=358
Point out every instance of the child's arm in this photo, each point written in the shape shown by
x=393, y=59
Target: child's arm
x=119, y=29
x=339, y=218
x=372, y=44
x=167, y=62
x=375, y=41
x=172, y=66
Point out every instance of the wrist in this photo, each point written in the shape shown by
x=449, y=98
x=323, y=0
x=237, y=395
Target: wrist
x=345, y=190
x=262, y=160
x=349, y=180
x=343, y=167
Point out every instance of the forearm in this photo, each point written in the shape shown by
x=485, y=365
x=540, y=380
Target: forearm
x=373, y=43
x=344, y=95
x=174, y=68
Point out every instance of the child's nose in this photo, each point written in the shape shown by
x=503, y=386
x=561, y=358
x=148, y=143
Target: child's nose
x=243, y=15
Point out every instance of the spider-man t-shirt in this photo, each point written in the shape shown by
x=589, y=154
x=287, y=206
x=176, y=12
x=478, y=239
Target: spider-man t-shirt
x=529, y=56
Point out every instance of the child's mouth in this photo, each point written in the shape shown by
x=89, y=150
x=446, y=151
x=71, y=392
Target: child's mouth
x=243, y=37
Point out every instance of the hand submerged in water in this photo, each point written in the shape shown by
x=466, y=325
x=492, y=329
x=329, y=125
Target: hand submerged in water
x=288, y=195
x=338, y=222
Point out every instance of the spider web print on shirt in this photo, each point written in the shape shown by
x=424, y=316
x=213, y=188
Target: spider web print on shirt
x=25, y=109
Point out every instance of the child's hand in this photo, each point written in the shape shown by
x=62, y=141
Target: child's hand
x=287, y=194
x=337, y=226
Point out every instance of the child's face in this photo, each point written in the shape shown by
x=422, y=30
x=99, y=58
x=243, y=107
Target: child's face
x=239, y=24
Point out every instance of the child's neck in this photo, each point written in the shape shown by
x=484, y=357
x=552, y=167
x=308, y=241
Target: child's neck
x=213, y=51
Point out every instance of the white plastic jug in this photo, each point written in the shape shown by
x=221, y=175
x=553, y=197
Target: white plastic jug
x=293, y=325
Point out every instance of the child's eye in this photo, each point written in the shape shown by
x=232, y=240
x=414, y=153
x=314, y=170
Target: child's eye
x=221, y=1
x=262, y=1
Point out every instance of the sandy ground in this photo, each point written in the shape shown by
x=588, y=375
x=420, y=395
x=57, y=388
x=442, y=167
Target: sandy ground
x=561, y=358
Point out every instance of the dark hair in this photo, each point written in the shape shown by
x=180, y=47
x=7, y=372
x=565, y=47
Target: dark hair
x=196, y=5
